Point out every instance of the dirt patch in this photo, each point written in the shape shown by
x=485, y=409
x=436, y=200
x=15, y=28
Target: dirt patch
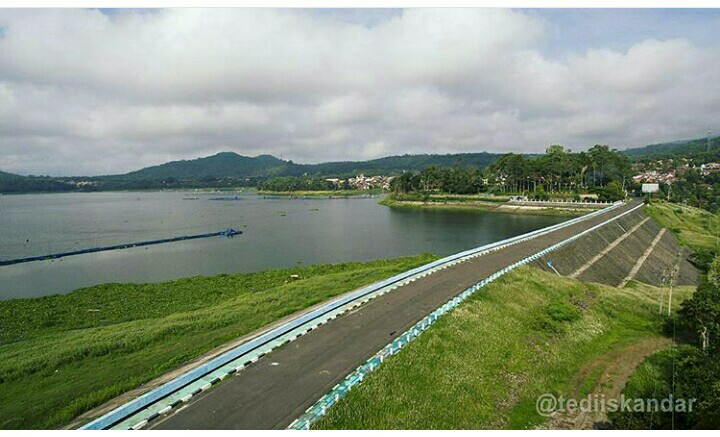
x=612, y=372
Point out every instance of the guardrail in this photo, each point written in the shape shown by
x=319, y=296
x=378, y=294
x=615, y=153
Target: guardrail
x=561, y=202
x=202, y=377
x=319, y=409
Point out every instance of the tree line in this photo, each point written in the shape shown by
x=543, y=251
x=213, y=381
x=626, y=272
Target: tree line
x=560, y=170
x=453, y=180
x=600, y=170
x=299, y=183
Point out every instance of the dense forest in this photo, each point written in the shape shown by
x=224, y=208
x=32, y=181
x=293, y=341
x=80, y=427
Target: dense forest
x=452, y=180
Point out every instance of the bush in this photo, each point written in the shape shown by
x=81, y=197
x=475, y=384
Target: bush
x=562, y=312
x=555, y=316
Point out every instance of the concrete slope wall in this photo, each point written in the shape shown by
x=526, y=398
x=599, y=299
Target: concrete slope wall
x=581, y=258
x=568, y=259
x=667, y=248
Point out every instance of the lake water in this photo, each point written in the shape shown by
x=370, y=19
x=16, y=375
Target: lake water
x=278, y=232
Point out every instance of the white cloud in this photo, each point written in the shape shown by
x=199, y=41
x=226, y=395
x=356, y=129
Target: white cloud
x=82, y=92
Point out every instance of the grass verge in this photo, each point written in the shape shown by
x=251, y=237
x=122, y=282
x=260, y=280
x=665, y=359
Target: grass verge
x=65, y=354
x=695, y=228
x=484, y=364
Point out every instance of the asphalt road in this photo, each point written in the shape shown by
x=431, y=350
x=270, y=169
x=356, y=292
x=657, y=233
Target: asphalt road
x=274, y=391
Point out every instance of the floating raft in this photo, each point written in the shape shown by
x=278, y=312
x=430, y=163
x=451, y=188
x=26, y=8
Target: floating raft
x=225, y=198
x=226, y=233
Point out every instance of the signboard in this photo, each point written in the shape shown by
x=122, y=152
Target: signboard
x=650, y=188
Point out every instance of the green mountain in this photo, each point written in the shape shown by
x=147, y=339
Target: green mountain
x=399, y=164
x=696, y=148
x=9, y=176
x=13, y=183
x=221, y=165
x=228, y=169
x=232, y=165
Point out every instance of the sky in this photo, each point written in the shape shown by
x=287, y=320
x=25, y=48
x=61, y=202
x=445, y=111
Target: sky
x=88, y=92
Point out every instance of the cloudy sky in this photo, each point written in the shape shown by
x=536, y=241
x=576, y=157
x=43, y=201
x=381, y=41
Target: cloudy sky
x=86, y=92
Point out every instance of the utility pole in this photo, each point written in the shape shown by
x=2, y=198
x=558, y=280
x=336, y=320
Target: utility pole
x=662, y=289
x=708, y=141
x=673, y=278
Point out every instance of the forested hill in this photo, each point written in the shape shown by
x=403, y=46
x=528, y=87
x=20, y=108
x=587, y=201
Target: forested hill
x=232, y=165
x=398, y=164
x=221, y=165
x=696, y=148
x=228, y=169
x=8, y=176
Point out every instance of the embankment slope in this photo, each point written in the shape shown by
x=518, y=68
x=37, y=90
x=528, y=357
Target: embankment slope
x=609, y=254
x=485, y=363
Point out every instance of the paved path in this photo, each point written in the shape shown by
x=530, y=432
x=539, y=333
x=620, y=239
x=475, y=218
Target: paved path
x=278, y=388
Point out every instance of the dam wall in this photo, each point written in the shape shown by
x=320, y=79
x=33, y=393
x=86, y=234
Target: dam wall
x=634, y=247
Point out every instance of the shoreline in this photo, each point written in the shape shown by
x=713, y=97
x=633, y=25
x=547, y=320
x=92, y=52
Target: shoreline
x=323, y=193
x=480, y=206
x=96, y=331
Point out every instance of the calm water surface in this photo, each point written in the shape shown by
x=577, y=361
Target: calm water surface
x=277, y=233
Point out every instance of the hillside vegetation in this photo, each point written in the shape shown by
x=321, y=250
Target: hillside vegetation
x=695, y=228
x=229, y=169
x=484, y=364
x=696, y=148
x=62, y=355
x=690, y=370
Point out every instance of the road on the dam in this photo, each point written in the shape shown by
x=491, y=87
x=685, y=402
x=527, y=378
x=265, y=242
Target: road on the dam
x=278, y=388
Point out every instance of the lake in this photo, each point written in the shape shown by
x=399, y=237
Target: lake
x=277, y=232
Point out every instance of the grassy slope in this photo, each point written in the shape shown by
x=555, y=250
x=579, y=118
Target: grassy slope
x=62, y=355
x=484, y=364
x=694, y=227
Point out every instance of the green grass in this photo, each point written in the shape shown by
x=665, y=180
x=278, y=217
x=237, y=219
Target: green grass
x=695, y=228
x=648, y=377
x=485, y=363
x=652, y=379
x=63, y=355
